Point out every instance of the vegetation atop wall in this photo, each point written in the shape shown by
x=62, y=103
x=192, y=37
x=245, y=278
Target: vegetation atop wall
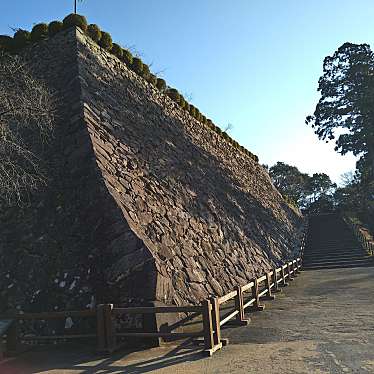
x=23, y=38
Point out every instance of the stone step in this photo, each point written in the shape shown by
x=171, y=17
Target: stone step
x=338, y=266
x=335, y=252
x=341, y=263
x=328, y=258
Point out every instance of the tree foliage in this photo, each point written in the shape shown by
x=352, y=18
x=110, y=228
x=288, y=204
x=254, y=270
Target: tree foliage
x=345, y=111
x=26, y=123
x=289, y=181
x=304, y=190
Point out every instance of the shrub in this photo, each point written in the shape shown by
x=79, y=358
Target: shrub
x=6, y=43
x=187, y=107
x=161, y=84
x=152, y=79
x=106, y=41
x=54, y=27
x=137, y=65
x=217, y=129
x=75, y=20
x=197, y=114
x=145, y=72
x=94, y=32
x=21, y=39
x=39, y=32
x=225, y=135
x=173, y=94
x=127, y=57
x=210, y=123
x=117, y=50
x=192, y=110
x=182, y=102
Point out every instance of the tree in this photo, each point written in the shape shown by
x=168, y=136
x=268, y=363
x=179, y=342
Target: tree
x=346, y=107
x=26, y=122
x=290, y=182
x=319, y=186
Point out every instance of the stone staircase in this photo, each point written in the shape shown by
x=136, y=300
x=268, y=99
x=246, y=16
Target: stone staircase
x=332, y=244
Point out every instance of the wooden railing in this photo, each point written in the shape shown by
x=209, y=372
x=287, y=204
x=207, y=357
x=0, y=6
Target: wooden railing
x=365, y=242
x=248, y=296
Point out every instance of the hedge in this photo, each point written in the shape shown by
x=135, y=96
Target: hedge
x=161, y=84
x=55, y=27
x=6, y=43
x=75, y=20
x=137, y=65
x=21, y=39
x=106, y=41
x=127, y=57
x=117, y=50
x=94, y=32
x=39, y=32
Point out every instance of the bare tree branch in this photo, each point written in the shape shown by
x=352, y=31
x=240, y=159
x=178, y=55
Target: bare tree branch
x=27, y=110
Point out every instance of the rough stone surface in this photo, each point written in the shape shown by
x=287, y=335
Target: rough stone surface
x=145, y=203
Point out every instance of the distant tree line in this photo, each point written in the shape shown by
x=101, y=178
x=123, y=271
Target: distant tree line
x=311, y=193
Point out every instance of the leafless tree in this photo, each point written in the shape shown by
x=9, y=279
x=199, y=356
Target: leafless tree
x=27, y=111
x=228, y=127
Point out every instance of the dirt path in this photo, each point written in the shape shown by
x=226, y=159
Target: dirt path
x=323, y=323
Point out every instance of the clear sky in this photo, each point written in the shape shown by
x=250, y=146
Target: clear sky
x=254, y=64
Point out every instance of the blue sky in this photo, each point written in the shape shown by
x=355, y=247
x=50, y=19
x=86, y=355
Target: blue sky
x=254, y=64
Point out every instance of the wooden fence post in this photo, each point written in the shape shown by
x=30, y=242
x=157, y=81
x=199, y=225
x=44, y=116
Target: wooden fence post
x=269, y=295
x=106, y=334
x=12, y=342
x=275, y=281
x=208, y=325
x=298, y=266
x=100, y=329
x=284, y=282
x=294, y=269
x=255, y=295
x=239, y=305
x=290, y=277
x=216, y=322
x=209, y=340
x=110, y=331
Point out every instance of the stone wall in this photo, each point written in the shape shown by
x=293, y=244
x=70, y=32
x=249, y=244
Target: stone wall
x=155, y=206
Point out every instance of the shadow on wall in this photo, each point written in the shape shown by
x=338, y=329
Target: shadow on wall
x=55, y=249
x=215, y=191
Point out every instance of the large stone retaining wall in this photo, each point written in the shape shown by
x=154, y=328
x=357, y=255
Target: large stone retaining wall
x=146, y=202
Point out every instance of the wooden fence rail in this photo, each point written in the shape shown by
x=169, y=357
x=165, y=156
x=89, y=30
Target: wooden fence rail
x=248, y=296
x=366, y=244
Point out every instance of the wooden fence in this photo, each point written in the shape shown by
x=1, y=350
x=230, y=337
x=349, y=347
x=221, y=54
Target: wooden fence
x=245, y=297
x=365, y=242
